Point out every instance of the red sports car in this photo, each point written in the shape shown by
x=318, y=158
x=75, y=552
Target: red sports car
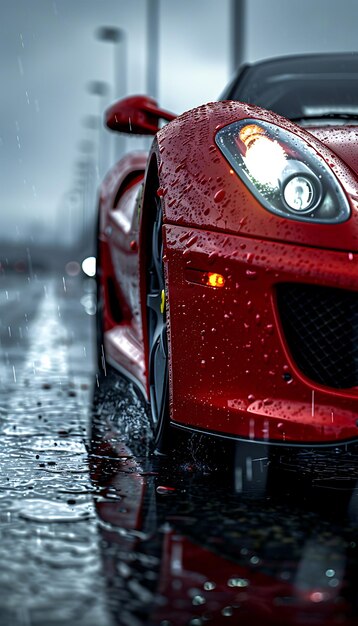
x=227, y=256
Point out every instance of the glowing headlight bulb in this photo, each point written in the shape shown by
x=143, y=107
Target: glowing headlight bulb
x=299, y=193
x=265, y=158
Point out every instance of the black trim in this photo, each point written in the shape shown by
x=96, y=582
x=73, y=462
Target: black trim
x=266, y=442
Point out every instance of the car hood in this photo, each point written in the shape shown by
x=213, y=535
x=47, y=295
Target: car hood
x=199, y=189
x=343, y=140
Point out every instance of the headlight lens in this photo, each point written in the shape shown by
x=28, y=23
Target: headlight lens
x=284, y=173
x=299, y=194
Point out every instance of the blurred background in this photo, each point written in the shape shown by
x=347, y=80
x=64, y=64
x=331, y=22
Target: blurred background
x=63, y=62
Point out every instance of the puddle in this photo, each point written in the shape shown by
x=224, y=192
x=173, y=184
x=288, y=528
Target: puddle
x=38, y=510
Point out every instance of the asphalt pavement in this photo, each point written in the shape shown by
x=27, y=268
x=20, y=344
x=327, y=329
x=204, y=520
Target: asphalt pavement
x=50, y=566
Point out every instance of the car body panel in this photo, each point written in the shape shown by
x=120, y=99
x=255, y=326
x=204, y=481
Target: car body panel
x=120, y=200
x=239, y=359
x=342, y=140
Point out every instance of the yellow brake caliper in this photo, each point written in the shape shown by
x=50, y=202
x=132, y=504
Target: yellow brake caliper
x=162, y=302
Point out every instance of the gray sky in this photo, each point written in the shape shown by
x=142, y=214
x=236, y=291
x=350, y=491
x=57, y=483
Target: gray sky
x=48, y=54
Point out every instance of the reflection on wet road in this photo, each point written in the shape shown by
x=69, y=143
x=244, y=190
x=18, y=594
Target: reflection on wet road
x=95, y=530
x=184, y=547
x=50, y=567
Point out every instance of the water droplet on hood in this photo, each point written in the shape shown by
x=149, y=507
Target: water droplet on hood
x=219, y=196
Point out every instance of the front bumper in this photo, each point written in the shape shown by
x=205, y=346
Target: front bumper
x=231, y=369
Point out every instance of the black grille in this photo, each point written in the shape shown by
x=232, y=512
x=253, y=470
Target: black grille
x=321, y=329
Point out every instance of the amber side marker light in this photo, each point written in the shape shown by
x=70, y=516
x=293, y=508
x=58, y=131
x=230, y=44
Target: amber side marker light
x=215, y=280
x=208, y=279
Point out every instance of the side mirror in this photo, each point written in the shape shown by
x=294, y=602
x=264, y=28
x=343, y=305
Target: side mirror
x=136, y=115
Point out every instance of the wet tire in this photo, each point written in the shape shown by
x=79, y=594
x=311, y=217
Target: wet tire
x=157, y=335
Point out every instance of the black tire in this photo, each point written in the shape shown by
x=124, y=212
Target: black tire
x=157, y=335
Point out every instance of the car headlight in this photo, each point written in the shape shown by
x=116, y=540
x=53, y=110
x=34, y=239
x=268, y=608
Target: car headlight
x=284, y=173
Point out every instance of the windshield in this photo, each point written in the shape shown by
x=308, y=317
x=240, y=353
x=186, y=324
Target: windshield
x=301, y=87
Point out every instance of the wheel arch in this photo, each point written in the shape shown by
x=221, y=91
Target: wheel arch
x=151, y=185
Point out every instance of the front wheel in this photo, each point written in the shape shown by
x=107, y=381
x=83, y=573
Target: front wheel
x=157, y=335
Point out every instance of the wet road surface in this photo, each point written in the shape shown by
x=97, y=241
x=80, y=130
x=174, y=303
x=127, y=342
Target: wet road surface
x=96, y=530
x=50, y=565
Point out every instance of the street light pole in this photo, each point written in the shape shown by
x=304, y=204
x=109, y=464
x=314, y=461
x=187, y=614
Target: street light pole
x=152, y=47
x=87, y=176
x=117, y=37
x=237, y=25
x=101, y=89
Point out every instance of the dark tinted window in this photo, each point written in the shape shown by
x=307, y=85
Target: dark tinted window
x=299, y=87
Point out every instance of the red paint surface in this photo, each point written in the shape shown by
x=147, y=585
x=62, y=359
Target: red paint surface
x=237, y=353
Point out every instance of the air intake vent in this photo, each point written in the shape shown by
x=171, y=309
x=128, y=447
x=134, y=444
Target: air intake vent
x=321, y=329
